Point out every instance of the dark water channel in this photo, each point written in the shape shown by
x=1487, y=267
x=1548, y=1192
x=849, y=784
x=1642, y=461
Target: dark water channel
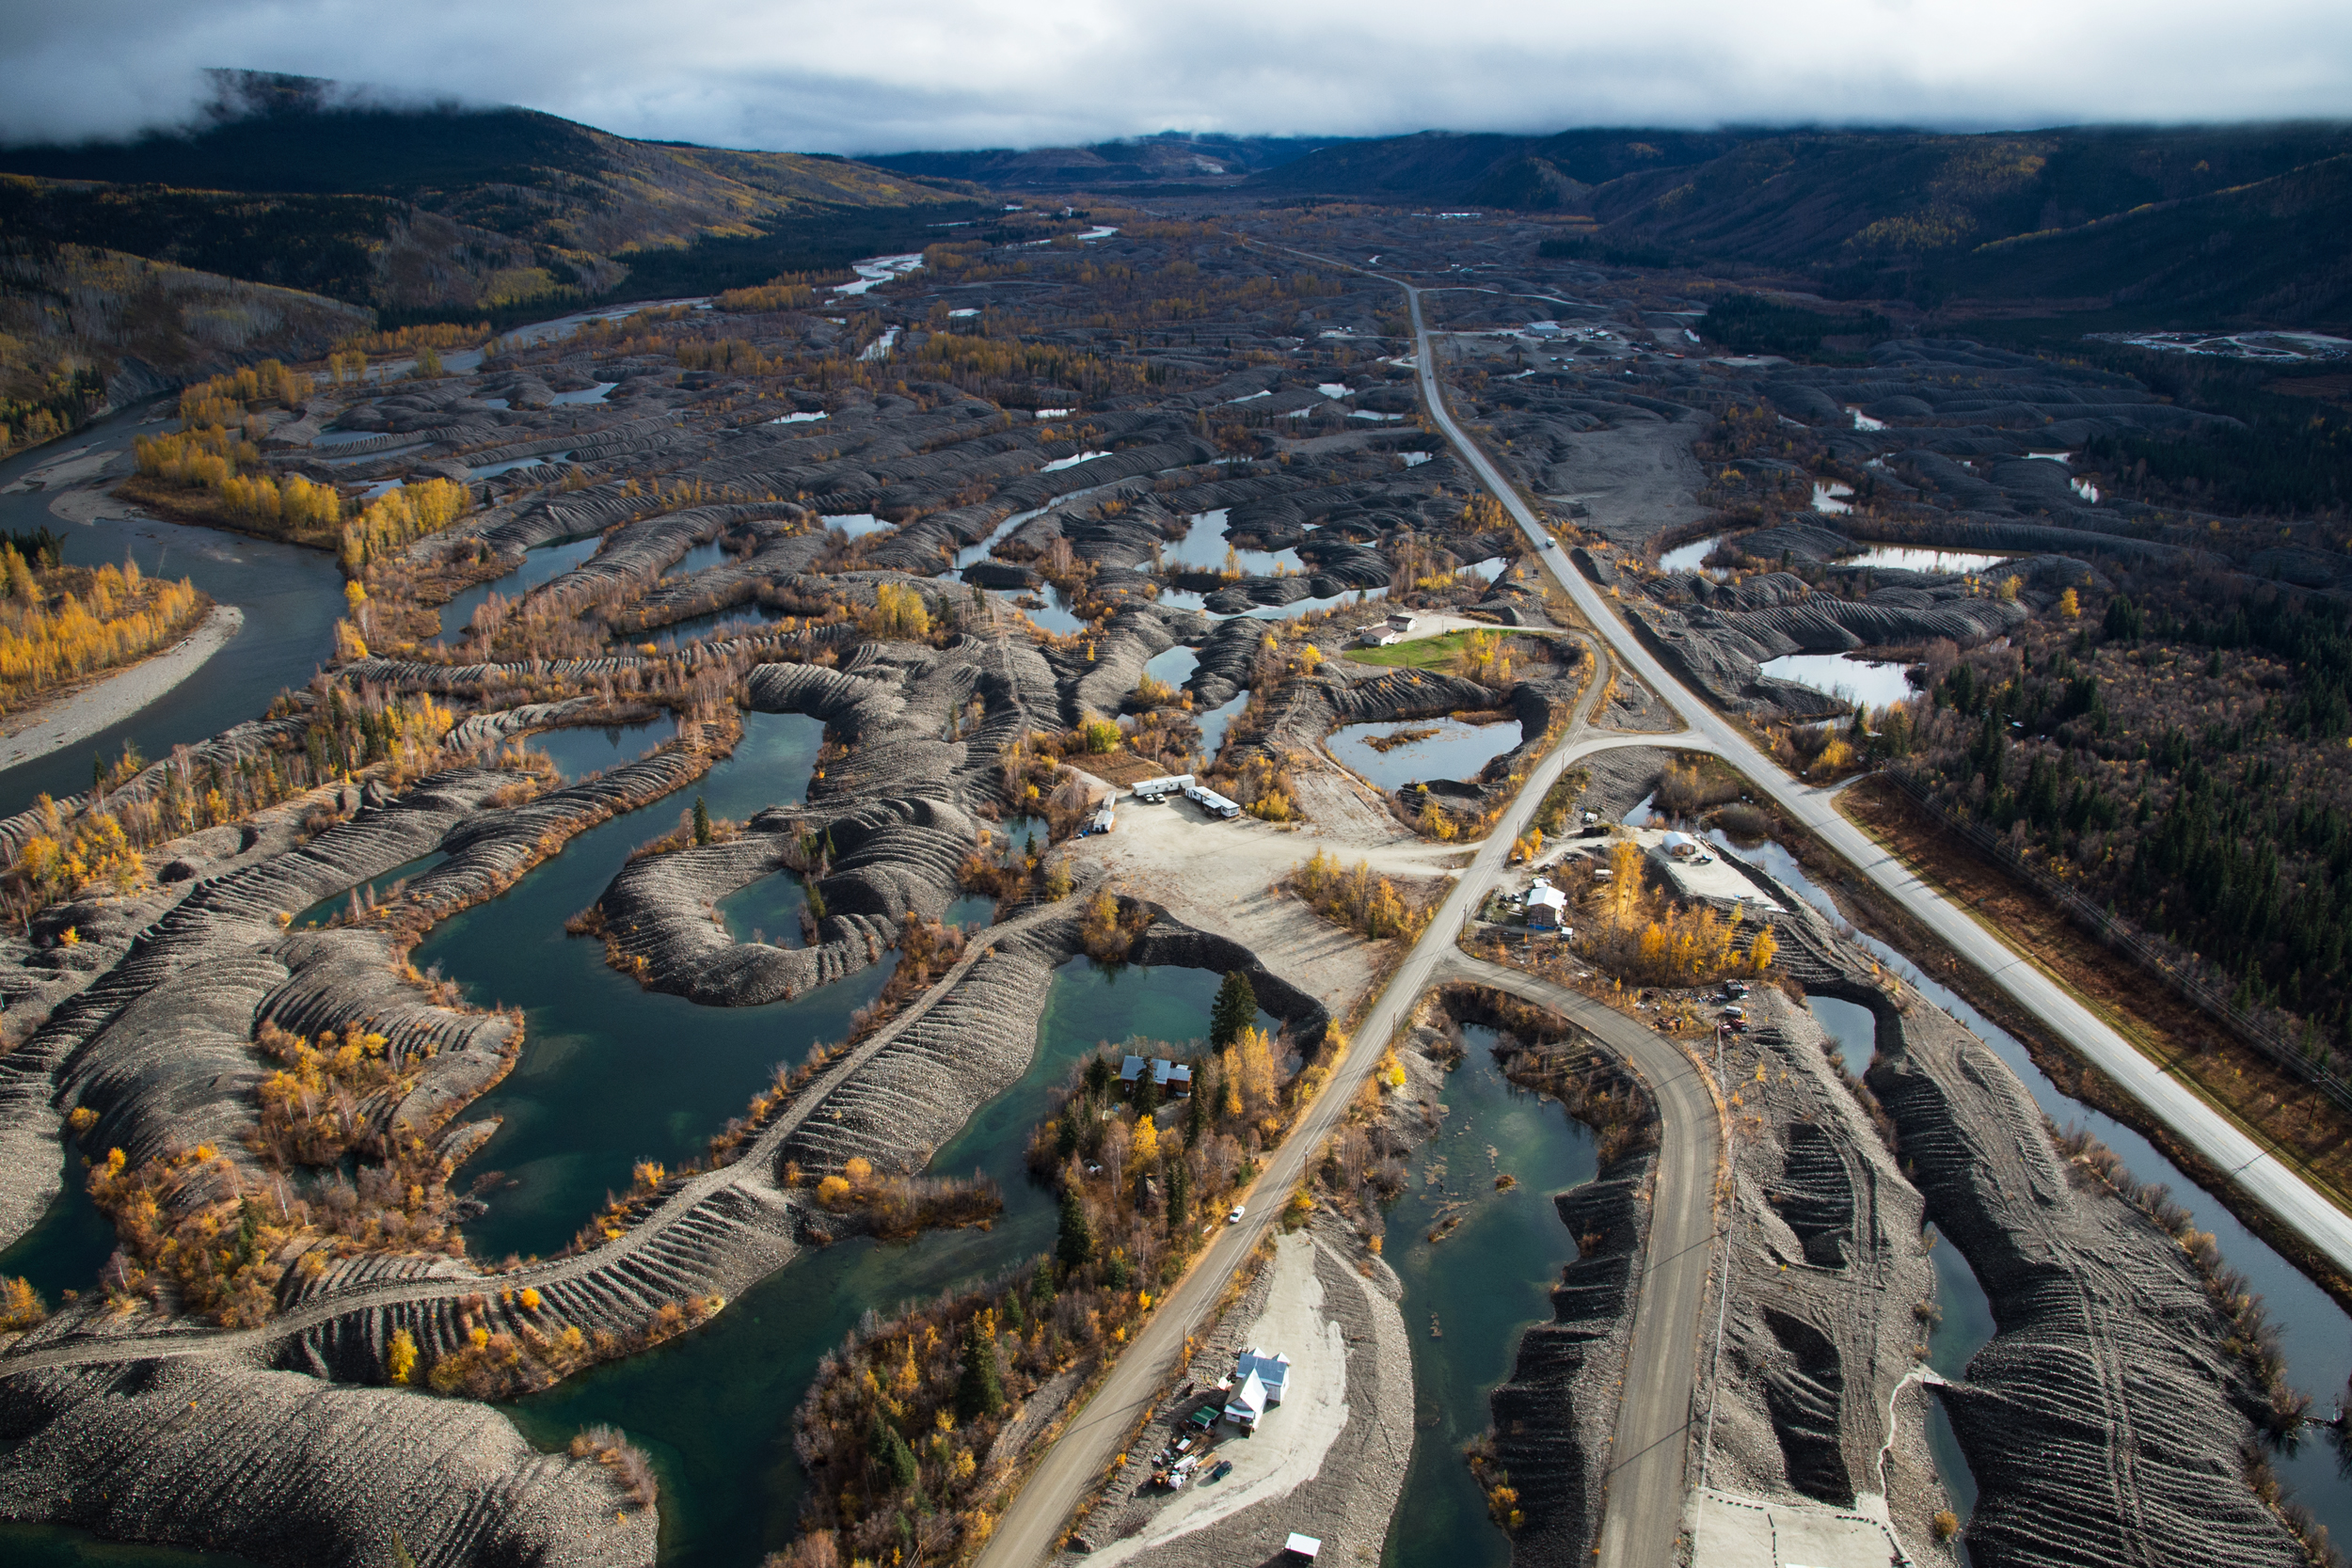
x=540, y=565
x=581, y=750
x=612, y=1074
x=1469, y=1296
x=1966, y=1325
x=715, y=1408
x=290, y=597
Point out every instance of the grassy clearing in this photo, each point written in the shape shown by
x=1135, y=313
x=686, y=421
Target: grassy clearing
x=1424, y=653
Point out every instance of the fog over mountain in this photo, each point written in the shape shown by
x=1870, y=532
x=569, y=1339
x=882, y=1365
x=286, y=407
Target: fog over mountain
x=966, y=73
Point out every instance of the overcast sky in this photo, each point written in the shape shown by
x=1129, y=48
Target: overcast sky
x=850, y=77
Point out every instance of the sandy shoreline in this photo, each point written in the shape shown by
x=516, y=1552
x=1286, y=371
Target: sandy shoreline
x=64, y=720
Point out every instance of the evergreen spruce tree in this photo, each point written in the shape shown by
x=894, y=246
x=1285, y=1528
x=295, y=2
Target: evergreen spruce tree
x=1075, y=1245
x=702, y=821
x=1235, y=1009
x=891, y=1460
x=1198, y=1108
x=982, y=1389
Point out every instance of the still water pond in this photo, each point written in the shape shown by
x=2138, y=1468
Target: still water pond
x=1841, y=675
x=1451, y=749
x=1468, y=1298
x=715, y=1408
x=1904, y=558
x=2314, y=1333
x=543, y=563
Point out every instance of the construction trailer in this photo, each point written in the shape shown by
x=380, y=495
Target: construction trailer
x=1211, y=801
x=1152, y=791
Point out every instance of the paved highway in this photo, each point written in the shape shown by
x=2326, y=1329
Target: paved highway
x=2273, y=1184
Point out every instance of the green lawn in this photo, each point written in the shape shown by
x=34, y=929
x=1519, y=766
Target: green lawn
x=1425, y=652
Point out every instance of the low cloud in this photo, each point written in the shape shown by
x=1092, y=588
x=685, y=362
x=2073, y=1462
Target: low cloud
x=954, y=74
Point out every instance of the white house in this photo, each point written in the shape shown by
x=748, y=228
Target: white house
x=1260, y=1381
x=1547, y=906
x=1246, y=1403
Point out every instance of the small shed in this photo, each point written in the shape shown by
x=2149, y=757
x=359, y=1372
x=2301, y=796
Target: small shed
x=1304, y=1547
x=1679, y=847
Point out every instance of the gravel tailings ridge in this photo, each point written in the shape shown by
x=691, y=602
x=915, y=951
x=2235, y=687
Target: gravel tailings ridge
x=92, y=1397
x=2104, y=1422
x=304, y=1470
x=289, y=1469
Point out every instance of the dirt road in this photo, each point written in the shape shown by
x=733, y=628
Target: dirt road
x=1648, y=1464
x=2263, y=1177
x=1033, y=1520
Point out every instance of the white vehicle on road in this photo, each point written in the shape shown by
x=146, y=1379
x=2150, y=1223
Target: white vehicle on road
x=1234, y=1218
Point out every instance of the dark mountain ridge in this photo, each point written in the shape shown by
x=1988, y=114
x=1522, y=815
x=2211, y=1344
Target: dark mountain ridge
x=441, y=208
x=2205, y=223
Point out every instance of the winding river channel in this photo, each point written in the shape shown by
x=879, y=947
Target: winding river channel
x=289, y=595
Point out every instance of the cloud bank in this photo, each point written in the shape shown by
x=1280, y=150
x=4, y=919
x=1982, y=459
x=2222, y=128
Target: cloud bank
x=961, y=73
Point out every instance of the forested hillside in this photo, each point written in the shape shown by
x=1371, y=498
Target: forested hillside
x=79, y=327
x=1170, y=158
x=446, y=209
x=2188, y=225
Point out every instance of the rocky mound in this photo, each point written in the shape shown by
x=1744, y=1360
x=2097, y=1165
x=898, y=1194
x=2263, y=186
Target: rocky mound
x=2105, y=1421
x=288, y=1469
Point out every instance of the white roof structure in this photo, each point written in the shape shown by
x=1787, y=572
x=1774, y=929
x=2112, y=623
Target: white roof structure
x=1274, y=1371
x=1546, y=896
x=1247, y=1402
x=1678, y=845
x=1302, y=1545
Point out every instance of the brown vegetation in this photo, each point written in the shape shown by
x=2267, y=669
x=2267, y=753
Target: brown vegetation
x=1368, y=905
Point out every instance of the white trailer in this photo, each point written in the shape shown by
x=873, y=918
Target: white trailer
x=1211, y=801
x=1160, y=789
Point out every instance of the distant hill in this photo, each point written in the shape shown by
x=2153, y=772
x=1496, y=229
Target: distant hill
x=2194, y=223
x=83, y=328
x=1169, y=158
x=1528, y=173
x=444, y=209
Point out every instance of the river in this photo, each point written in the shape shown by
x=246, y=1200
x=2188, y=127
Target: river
x=291, y=597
